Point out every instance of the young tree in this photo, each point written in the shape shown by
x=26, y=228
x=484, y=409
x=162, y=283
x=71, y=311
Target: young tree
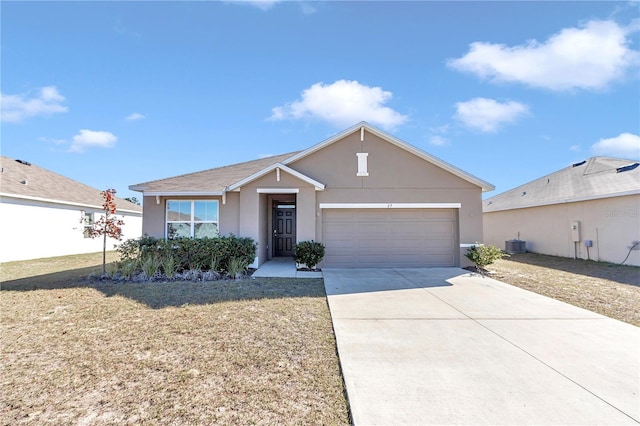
x=108, y=226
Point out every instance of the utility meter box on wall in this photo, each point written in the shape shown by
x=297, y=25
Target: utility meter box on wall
x=575, y=231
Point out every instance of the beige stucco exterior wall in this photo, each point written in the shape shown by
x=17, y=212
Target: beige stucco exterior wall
x=611, y=223
x=395, y=176
x=153, y=223
x=230, y=214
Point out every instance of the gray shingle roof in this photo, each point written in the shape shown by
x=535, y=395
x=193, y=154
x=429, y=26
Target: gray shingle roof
x=597, y=177
x=30, y=181
x=212, y=180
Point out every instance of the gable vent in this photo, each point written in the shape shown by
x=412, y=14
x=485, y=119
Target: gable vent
x=627, y=168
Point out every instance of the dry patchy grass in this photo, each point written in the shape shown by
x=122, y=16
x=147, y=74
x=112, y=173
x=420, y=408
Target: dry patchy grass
x=233, y=352
x=605, y=288
x=54, y=271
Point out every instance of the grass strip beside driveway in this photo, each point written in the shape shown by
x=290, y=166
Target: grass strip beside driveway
x=234, y=352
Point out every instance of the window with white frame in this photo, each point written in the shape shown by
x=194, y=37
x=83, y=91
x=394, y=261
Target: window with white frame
x=87, y=223
x=192, y=219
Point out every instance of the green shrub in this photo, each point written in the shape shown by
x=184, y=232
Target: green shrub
x=214, y=263
x=188, y=253
x=128, y=268
x=150, y=266
x=484, y=255
x=237, y=265
x=168, y=264
x=308, y=252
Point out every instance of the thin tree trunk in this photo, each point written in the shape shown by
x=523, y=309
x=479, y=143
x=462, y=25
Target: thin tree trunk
x=104, y=254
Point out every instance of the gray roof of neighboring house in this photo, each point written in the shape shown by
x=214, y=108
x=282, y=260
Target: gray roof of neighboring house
x=597, y=177
x=21, y=179
x=212, y=180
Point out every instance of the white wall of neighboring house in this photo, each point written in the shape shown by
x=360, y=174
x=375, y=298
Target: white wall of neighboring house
x=32, y=230
x=611, y=224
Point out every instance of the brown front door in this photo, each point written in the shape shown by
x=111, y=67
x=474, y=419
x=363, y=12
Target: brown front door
x=284, y=229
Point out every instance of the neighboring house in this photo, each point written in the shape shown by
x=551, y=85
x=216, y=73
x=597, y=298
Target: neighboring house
x=44, y=214
x=372, y=199
x=589, y=210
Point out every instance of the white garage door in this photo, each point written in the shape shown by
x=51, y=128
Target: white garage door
x=389, y=237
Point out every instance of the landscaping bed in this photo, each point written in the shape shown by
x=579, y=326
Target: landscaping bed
x=249, y=351
x=609, y=289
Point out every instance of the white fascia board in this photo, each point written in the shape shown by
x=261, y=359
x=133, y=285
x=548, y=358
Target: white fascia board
x=64, y=203
x=390, y=205
x=278, y=190
x=319, y=186
x=183, y=193
x=486, y=186
x=565, y=201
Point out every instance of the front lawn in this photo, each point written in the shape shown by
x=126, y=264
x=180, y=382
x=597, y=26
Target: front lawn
x=222, y=352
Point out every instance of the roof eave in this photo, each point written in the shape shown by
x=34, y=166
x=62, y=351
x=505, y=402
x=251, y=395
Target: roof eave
x=62, y=202
x=183, y=193
x=564, y=201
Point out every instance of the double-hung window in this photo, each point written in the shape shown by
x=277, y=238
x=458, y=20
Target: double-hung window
x=87, y=223
x=192, y=218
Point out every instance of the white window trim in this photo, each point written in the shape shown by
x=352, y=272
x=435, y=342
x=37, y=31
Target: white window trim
x=191, y=222
x=278, y=190
x=390, y=205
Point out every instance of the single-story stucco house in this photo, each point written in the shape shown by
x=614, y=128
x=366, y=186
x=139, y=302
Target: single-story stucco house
x=370, y=198
x=45, y=214
x=588, y=210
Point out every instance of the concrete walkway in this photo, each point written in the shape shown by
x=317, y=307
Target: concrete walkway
x=283, y=267
x=440, y=346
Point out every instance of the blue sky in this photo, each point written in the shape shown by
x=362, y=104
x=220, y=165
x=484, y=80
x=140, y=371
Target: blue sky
x=117, y=93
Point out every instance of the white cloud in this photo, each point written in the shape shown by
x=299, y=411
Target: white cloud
x=438, y=140
x=588, y=57
x=52, y=140
x=260, y=4
x=47, y=100
x=487, y=115
x=342, y=103
x=90, y=138
x=575, y=148
x=134, y=116
x=625, y=145
x=307, y=8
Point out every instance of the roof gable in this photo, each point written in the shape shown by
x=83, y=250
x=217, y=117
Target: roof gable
x=364, y=126
x=597, y=177
x=237, y=185
x=24, y=180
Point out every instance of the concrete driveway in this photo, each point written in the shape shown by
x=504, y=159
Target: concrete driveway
x=442, y=346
